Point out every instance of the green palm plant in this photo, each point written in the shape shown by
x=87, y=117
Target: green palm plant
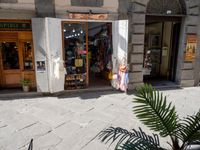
x=154, y=112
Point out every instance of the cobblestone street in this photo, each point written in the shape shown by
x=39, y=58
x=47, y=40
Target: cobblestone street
x=72, y=122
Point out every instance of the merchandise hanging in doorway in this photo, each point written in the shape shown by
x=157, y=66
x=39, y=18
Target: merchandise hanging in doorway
x=100, y=53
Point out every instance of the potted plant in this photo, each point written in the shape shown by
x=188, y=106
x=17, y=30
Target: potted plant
x=26, y=84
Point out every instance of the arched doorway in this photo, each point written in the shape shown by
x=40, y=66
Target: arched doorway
x=162, y=33
x=166, y=7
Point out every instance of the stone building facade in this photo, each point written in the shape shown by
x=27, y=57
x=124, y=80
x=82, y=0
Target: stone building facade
x=136, y=11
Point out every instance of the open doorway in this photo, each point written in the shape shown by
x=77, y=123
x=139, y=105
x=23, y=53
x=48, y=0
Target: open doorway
x=161, y=51
x=93, y=53
x=88, y=54
x=100, y=53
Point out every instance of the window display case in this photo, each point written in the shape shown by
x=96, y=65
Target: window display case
x=10, y=56
x=27, y=56
x=75, y=50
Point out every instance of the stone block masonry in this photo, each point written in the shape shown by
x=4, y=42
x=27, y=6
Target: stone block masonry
x=188, y=73
x=136, y=43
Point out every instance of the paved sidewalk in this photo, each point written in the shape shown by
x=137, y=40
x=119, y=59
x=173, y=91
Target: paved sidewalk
x=71, y=122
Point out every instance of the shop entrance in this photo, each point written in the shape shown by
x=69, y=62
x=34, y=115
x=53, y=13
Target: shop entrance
x=161, y=49
x=16, y=58
x=100, y=53
x=88, y=54
x=93, y=52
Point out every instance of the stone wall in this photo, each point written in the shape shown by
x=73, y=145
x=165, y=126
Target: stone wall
x=96, y=6
x=45, y=8
x=137, y=15
x=197, y=65
x=17, y=9
x=8, y=1
x=90, y=3
x=188, y=73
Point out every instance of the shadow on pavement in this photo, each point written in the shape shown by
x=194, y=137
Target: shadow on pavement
x=87, y=95
x=83, y=95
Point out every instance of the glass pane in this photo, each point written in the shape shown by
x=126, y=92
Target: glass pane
x=75, y=55
x=10, y=55
x=28, y=56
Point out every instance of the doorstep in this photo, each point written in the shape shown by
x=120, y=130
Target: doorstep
x=163, y=84
x=89, y=89
x=167, y=87
x=17, y=94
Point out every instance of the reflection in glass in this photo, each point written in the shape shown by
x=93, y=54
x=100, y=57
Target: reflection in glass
x=10, y=55
x=28, y=56
x=75, y=55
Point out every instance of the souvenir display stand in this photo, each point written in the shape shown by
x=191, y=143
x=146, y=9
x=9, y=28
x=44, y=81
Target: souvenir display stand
x=75, y=57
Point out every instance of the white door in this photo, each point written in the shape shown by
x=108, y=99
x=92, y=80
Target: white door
x=55, y=55
x=120, y=46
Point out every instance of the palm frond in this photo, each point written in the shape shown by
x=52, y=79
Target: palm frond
x=126, y=139
x=140, y=145
x=154, y=112
x=191, y=130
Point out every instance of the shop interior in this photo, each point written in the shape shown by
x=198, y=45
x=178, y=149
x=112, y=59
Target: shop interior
x=88, y=54
x=161, y=51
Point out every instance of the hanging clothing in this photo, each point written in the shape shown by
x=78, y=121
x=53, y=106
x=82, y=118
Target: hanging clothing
x=123, y=78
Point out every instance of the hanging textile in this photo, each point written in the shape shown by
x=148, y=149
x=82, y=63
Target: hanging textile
x=123, y=78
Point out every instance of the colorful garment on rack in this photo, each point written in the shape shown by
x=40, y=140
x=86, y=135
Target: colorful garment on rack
x=123, y=78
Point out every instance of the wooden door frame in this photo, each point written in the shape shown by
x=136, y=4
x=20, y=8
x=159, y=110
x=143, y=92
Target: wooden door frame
x=174, y=50
x=9, y=71
x=25, y=73
x=19, y=42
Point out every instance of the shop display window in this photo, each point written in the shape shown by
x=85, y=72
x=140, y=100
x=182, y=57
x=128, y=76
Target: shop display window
x=10, y=56
x=27, y=56
x=75, y=53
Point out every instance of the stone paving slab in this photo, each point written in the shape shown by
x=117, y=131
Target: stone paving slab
x=73, y=121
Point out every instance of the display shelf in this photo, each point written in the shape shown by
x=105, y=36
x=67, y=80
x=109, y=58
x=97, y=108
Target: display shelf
x=75, y=81
x=71, y=84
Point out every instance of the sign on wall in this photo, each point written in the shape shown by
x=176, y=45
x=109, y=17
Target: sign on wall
x=88, y=16
x=15, y=25
x=191, y=48
x=41, y=66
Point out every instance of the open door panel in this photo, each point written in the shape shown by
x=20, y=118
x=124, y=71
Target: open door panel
x=120, y=46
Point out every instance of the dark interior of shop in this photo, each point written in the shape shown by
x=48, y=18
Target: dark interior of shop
x=161, y=51
x=100, y=53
